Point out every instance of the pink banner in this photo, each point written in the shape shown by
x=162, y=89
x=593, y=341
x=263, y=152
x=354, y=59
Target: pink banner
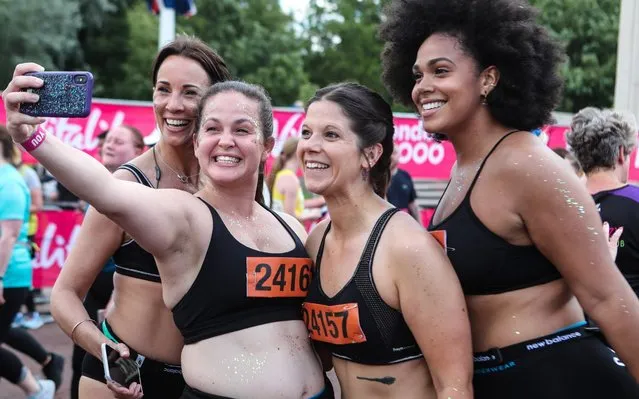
x=56, y=234
x=419, y=155
x=422, y=157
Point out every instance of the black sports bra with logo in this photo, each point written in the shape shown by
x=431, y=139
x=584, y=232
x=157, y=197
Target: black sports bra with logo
x=356, y=324
x=486, y=263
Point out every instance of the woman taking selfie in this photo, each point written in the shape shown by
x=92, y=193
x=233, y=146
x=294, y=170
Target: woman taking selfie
x=233, y=272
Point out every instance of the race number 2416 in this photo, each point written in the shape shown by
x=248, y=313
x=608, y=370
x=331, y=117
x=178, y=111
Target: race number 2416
x=278, y=277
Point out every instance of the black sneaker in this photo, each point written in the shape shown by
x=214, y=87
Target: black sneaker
x=53, y=370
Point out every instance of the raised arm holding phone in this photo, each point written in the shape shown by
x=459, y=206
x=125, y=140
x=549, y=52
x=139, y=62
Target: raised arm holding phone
x=239, y=341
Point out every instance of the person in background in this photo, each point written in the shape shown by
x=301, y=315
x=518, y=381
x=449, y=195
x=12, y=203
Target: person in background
x=31, y=319
x=101, y=139
x=573, y=164
x=602, y=141
x=284, y=184
x=401, y=190
x=15, y=268
x=571, y=161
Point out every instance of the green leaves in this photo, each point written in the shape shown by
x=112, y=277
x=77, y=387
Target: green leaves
x=337, y=41
x=589, y=30
x=40, y=31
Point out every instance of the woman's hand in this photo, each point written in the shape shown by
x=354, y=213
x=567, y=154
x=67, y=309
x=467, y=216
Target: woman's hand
x=21, y=126
x=134, y=391
x=613, y=240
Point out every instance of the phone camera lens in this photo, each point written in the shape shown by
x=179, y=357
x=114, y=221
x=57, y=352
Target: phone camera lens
x=80, y=79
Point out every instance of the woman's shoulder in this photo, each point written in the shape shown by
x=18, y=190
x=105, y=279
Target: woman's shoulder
x=142, y=163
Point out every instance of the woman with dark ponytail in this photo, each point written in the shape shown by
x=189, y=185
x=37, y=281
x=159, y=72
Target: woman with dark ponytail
x=393, y=318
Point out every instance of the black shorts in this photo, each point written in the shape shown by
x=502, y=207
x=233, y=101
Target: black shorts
x=192, y=393
x=159, y=380
x=571, y=363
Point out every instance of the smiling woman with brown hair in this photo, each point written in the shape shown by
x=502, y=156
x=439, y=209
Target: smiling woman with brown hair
x=234, y=273
x=384, y=302
x=523, y=234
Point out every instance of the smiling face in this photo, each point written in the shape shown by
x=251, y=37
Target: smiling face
x=328, y=150
x=119, y=148
x=230, y=144
x=448, y=86
x=180, y=84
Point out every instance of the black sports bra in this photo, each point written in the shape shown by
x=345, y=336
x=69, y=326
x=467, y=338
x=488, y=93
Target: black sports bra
x=239, y=287
x=130, y=259
x=356, y=324
x=486, y=263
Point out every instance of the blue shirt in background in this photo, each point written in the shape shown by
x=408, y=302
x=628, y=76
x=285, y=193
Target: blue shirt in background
x=15, y=202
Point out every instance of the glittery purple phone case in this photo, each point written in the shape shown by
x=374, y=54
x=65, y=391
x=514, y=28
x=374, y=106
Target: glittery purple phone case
x=64, y=94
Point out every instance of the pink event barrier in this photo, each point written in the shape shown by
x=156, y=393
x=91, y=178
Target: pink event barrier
x=422, y=157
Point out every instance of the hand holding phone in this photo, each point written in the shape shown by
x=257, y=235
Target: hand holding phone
x=63, y=94
x=118, y=369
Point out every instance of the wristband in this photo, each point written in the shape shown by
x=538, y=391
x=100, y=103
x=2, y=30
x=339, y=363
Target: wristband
x=34, y=140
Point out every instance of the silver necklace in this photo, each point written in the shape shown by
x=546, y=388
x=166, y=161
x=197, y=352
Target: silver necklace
x=183, y=178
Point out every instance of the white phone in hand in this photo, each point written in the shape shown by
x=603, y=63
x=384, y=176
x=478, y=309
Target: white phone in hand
x=120, y=370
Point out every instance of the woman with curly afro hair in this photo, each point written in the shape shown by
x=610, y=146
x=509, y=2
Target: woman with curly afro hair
x=524, y=235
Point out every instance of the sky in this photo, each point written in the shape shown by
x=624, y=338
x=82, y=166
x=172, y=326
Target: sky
x=298, y=7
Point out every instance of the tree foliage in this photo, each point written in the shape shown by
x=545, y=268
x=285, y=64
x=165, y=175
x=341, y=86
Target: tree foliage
x=39, y=31
x=341, y=42
x=337, y=41
x=589, y=30
x=258, y=42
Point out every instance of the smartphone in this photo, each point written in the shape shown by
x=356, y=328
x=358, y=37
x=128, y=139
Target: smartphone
x=124, y=371
x=63, y=94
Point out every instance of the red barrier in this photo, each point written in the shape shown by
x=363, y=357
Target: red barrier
x=56, y=234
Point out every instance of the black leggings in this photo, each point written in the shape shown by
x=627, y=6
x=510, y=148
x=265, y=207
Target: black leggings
x=97, y=298
x=568, y=364
x=10, y=364
x=22, y=341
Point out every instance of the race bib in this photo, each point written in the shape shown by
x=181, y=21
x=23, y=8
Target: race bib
x=278, y=277
x=336, y=324
x=440, y=236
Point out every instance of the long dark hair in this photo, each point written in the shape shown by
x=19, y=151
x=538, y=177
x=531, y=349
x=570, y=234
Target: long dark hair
x=371, y=119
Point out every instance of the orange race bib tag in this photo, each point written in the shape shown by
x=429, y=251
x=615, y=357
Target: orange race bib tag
x=336, y=324
x=440, y=236
x=278, y=277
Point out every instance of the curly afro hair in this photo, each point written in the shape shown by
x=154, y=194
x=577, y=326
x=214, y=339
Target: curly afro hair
x=503, y=33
